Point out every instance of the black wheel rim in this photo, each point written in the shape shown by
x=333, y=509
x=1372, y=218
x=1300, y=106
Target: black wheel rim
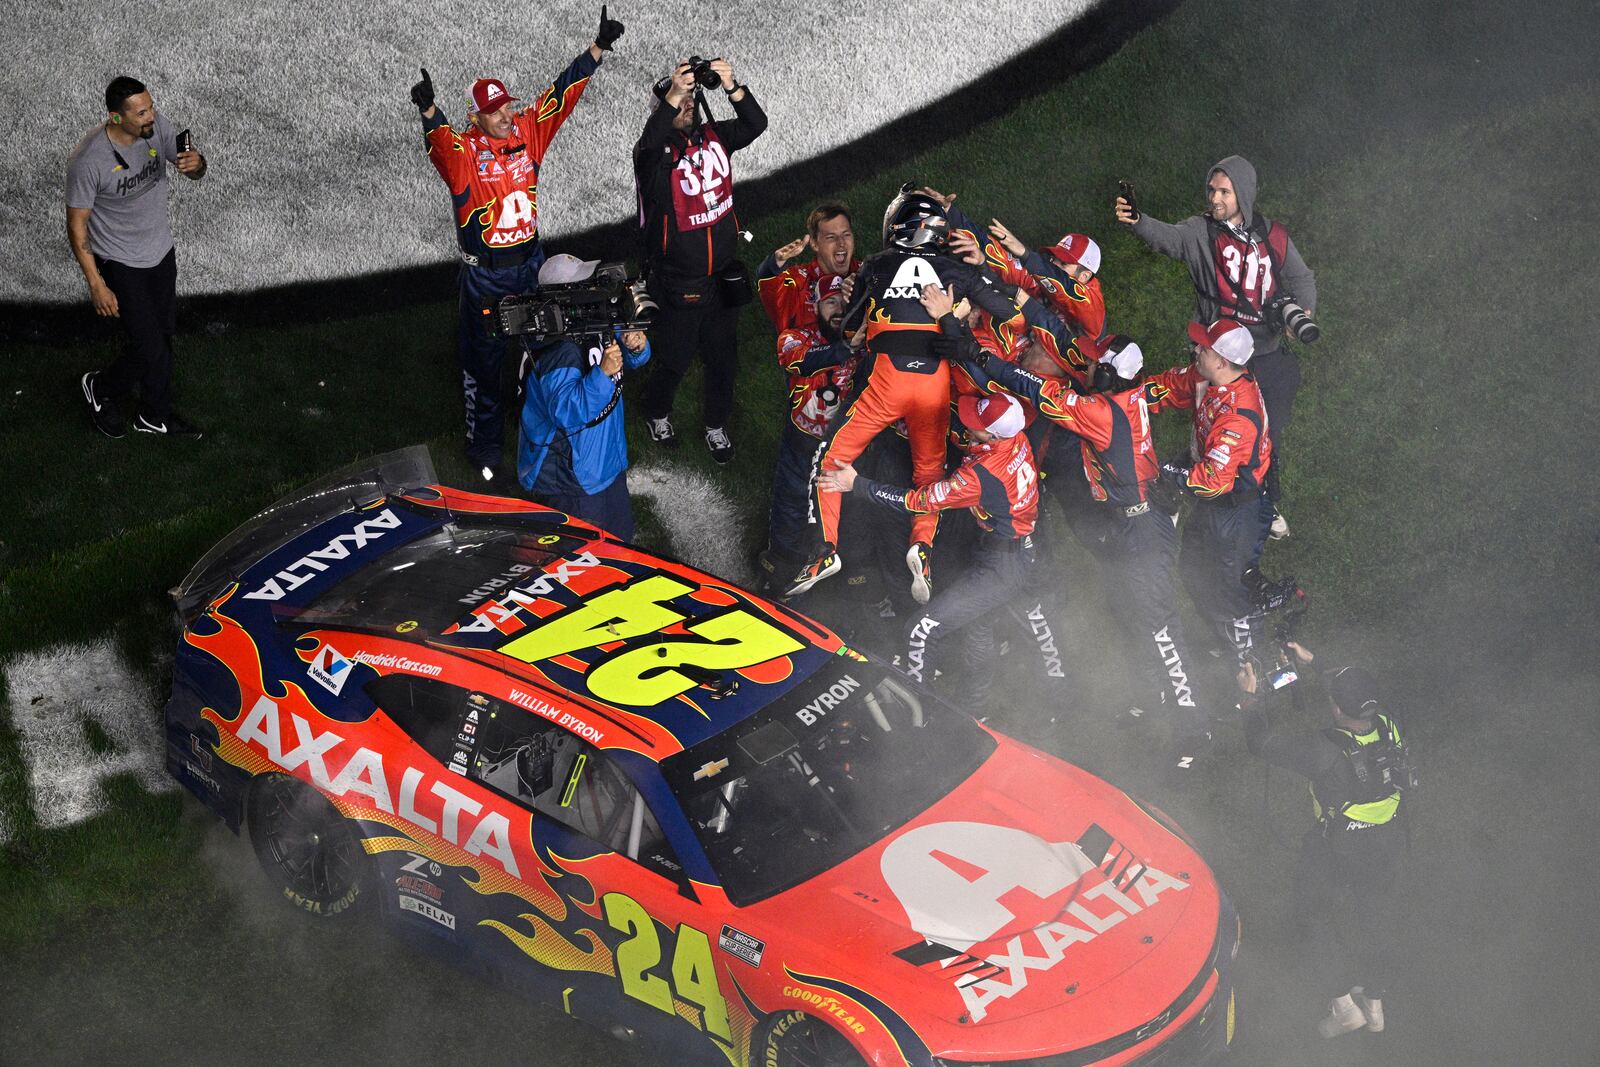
x=810, y=1043
x=307, y=840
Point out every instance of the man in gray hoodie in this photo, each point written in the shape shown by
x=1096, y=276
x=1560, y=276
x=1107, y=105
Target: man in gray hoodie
x=1240, y=261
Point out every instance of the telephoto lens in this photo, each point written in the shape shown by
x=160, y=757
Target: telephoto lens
x=704, y=76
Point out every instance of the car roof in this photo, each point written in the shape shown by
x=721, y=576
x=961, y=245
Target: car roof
x=618, y=644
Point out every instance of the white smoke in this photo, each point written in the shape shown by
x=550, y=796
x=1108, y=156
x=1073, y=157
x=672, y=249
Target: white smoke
x=703, y=526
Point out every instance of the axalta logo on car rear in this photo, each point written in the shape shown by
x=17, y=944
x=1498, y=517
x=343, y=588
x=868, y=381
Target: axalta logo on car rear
x=339, y=548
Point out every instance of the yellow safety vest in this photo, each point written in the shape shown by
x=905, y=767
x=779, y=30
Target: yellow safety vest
x=1373, y=812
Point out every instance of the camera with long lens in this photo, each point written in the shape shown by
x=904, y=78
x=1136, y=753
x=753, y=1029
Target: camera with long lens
x=704, y=76
x=1281, y=605
x=1283, y=313
x=608, y=300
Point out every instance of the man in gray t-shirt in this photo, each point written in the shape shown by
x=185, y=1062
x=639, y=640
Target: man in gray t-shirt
x=122, y=239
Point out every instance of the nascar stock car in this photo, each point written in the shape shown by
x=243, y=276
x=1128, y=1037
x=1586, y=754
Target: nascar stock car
x=659, y=803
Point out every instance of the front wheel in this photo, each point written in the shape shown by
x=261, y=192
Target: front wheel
x=795, y=1039
x=308, y=850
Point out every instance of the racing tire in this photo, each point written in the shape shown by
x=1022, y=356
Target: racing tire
x=309, y=851
x=795, y=1039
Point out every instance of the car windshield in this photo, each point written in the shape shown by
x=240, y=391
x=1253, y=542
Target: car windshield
x=435, y=580
x=839, y=762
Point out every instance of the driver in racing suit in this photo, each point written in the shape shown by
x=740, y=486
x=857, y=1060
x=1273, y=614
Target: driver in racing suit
x=904, y=380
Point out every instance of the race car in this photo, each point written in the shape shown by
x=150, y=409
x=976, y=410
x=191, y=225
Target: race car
x=657, y=802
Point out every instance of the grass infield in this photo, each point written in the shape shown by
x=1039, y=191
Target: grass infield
x=1440, y=479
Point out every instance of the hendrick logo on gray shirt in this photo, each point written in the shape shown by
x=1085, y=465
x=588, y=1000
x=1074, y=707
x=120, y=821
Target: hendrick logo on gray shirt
x=125, y=190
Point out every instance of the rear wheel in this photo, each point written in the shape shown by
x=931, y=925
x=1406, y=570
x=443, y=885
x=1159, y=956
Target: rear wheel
x=795, y=1039
x=309, y=851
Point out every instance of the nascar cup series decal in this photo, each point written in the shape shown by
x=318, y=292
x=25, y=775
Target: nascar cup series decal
x=953, y=879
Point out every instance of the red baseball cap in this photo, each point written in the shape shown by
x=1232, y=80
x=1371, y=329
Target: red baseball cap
x=999, y=414
x=489, y=95
x=1075, y=248
x=1228, y=338
x=825, y=286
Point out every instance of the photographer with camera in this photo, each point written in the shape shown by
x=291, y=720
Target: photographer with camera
x=1230, y=452
x=572, y=453
x=492, y=171
x=1245, y=268
x=683, y=169
x=1347, y=882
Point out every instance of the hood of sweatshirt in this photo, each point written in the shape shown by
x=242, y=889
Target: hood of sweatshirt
x=1243, y=176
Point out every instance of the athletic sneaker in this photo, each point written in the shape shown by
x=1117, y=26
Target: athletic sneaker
x=106, y=418
x=717, y=441
x=919, y=561
x=1279, y=528
x=174, y=425
x=1344, y=1015
x=661, y=431
x=823, y=566
x=1371, y=1007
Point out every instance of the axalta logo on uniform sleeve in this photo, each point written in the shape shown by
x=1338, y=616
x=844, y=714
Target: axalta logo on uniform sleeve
x=290, y=578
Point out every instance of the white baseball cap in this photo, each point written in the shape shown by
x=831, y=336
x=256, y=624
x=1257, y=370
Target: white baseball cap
x=998, y=413
x=561, y=268
x=1227, y=338
x=1125, y=358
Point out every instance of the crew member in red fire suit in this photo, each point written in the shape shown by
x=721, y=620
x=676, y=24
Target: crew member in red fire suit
x=819, y=366
x=492, y=171
x=905, y=380
x=785, y=286
x=997, y=481
x=1229, y=454
x=1112, y=427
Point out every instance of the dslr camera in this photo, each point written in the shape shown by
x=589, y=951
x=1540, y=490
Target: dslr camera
x=1281, y=605
x=704, y=76
x=606, y=301
x=1284, y=314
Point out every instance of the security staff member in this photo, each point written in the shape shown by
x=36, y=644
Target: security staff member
x=1112, y=427
x=998, y=483
x=492, y=171
x=1346, y=895
x=684, y=172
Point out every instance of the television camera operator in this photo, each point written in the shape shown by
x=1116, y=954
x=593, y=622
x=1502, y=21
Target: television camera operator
x=683, y=169
x=572, y=452
x=1347, y=880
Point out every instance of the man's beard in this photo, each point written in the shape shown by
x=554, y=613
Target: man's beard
x=147, y=132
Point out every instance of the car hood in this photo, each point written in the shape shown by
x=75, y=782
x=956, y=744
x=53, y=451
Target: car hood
x=1033, y=888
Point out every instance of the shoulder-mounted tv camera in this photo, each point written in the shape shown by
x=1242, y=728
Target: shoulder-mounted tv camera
x=606, y=301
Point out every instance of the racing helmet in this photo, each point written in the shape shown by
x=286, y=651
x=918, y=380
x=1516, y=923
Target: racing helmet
x=914, y=220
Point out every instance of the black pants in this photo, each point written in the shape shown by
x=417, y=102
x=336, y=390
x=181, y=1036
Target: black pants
x=611, y=508
x=1221, y=540
x=1346, y=905
x=1277, y=373
x=482, y=354
x=1001, y=572
x=679, y=332
x=147, y=305
x=788, y=535
x=1146, y=592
